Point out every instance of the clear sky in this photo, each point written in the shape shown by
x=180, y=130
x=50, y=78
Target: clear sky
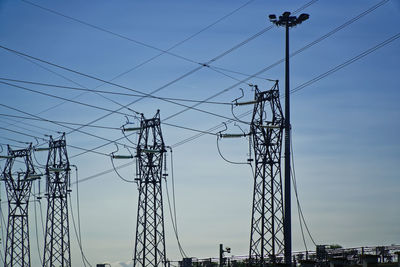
x=345, y=117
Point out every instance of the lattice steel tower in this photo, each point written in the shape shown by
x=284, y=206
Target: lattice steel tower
x=267, y=240
x=150, y=237
x=18, y=187
x=57, y=242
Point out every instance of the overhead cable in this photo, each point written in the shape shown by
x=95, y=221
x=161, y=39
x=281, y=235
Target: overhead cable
x=113, y=92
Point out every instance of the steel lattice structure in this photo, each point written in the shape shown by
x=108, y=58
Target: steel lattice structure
x=57, y=241
x=18, y=187
x=267, y=240
x=150, y=236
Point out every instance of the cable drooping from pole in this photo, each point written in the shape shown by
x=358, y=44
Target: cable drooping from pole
x=77, y=230
x=297, y=196
x=112, y=156
x=222, y=156
x=173, y=197
x=173, y=212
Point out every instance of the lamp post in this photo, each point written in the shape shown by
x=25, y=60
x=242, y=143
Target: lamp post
x=287, y=21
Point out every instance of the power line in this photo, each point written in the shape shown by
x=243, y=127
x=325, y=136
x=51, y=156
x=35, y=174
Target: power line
x=160, y=88
x=105, y=109
x=43, y=139
x=354, y=59
x=95, y=78
x=141, y=64
x=346, y=63
x=92, y=106
x=140, y=42
x=154, y=91
x=347, y=23
x=63, y=98
x=113, y=93
x=302, y=86
x=61, y=122
x=254, y=36
x=58, y=124
x=300, y=211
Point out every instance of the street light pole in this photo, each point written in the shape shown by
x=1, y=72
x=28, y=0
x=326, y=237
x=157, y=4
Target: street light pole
x=287, y=21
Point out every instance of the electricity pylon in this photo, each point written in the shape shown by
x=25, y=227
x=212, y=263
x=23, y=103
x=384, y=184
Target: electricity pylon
x=57, y=242
x=267, y=240
x=150, y=236
x=18, y=187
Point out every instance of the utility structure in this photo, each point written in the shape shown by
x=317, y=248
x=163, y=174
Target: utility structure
x=150, y=236
x=267, y=240
x=57, y=240
x=287, y=21
x=18, y=187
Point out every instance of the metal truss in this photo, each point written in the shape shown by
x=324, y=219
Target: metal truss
x=150, y=236
x=57, y=241
x=267, y=240
x=18, y=187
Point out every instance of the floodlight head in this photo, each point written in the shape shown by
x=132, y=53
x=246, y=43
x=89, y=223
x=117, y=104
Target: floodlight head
x=303, y=17
x=286, y=14
x=272, y=17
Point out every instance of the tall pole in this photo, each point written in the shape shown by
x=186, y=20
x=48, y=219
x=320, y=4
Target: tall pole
x=287, y=21
x=266, y=238
x=287, y=226
x=150, y=236
x=18, y=187
x=57, y=250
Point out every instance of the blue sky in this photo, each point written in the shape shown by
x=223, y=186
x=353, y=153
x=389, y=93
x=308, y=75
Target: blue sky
x=345, y=126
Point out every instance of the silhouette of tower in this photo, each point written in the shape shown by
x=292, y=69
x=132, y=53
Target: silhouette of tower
x=150, y=237
x=57, y=241
x=267, y=240
x=18, y=187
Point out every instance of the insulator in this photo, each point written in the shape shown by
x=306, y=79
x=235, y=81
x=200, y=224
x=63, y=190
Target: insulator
x=34, y=176
x=131, y=129
x=246, y=103
x=38, y=149
x=232, y=135
x=122, y=156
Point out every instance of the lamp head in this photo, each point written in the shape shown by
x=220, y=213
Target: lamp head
x=272, y=18
x=303, y=17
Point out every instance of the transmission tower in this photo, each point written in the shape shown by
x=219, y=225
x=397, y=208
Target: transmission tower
x=150, y=237
x=18, y=187
x=57, y=242
x=267, y=240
